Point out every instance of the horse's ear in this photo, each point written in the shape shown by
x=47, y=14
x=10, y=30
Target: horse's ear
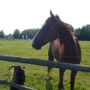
x=52, y=15
x=57, y=17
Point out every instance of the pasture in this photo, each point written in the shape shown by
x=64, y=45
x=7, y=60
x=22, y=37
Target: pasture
x=35, y=75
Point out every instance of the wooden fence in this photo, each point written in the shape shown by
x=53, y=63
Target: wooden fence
x=54, y=64
x=15, y=85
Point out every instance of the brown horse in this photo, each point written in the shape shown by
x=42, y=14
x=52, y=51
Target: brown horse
x=64, y=46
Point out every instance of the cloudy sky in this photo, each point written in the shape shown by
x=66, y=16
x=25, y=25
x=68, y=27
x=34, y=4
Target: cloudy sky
x=24, y=14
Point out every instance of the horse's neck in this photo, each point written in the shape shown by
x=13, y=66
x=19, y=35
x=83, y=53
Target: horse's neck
x=67, y=37
x=69, y=43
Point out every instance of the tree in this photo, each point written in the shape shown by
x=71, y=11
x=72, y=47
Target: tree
x=29, y=33
x=16, y=34
x=78, y=32
x=9, y=36
x=83, y=33
x=2, y=34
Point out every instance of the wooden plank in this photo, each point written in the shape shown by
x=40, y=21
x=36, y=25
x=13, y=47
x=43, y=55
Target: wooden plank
x=15, y=85
x=54, y=64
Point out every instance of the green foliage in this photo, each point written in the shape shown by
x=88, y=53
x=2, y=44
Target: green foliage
x=10, y=36
x=83, y=33
x=25, y=34
x=16, y=34
x=35, y=75
x=2, y=34
x=29, y=33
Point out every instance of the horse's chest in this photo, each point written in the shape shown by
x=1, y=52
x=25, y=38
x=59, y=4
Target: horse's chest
x=57, y=49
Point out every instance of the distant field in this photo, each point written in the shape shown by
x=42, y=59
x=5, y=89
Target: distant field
x=35, y=75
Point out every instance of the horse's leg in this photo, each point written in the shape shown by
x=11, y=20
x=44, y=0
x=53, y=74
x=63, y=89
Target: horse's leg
x=61, y=75
x=72, y=79
x=51, y=58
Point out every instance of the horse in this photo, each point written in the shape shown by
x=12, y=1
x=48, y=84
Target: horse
x=64, y=46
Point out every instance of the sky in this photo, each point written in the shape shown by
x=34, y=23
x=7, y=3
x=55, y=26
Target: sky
x=27, y=14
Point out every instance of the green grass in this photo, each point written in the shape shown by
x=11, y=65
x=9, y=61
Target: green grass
x=35, y=75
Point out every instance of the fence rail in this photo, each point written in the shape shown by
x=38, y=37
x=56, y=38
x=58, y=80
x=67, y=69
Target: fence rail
x=15, y=85
x=54, y=64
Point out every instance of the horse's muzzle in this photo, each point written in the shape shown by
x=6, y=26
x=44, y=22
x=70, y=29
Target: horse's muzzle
x=36, y=46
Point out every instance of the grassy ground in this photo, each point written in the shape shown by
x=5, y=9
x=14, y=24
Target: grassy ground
x=35, y=75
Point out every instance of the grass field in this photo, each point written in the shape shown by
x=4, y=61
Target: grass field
x=35, y=75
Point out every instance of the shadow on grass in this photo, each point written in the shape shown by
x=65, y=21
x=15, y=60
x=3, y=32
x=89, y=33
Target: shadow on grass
x=49, y=85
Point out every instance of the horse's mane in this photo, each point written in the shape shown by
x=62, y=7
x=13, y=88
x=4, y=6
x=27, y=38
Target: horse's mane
x=68, y=28
x=66, y=25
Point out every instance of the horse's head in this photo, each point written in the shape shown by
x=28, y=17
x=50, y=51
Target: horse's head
x=49, y=31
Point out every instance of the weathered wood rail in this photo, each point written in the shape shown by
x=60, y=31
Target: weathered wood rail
x=15, y=85
x=54, y=64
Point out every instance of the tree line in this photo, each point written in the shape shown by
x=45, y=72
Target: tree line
x=25, y=34
x=82, y=33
